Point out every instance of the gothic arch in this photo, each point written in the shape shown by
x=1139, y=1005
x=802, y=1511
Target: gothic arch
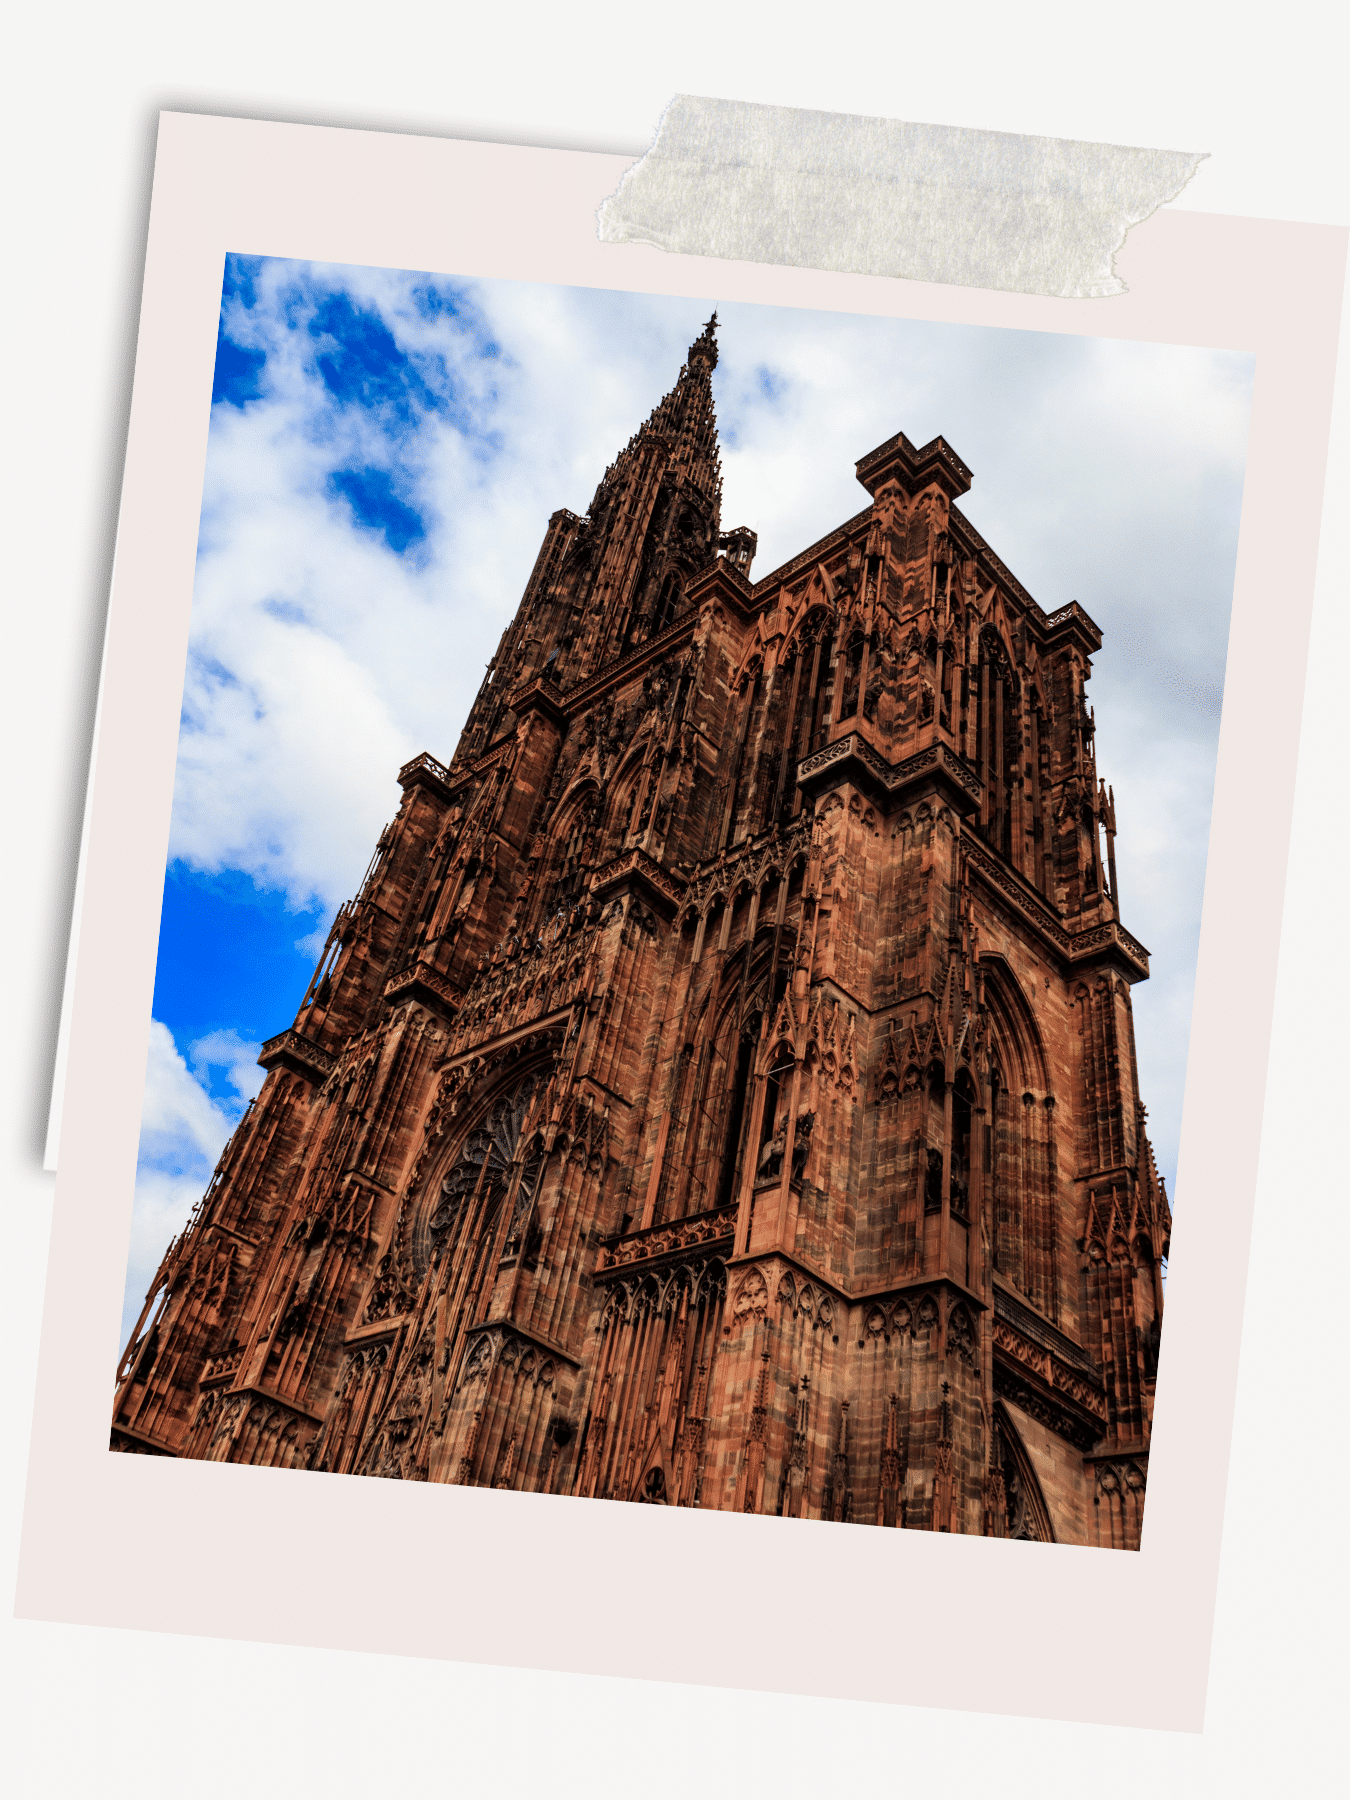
x=571, y=828
x=1021, y=1172
x=714, y=1102
x=620, y=816
x=468, y=1189
x=996, y=647
x=816, y=619
x=1017, y=1035
x=1028, y=1515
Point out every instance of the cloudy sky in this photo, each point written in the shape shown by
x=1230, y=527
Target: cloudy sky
x=385, y=451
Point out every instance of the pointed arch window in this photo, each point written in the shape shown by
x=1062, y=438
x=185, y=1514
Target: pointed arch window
x=482, y=1170
x=963, y=1114
x=735, y=1130
x=668, y=601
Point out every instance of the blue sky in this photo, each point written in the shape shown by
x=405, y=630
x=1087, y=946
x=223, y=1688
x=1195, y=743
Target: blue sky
x=384, y=453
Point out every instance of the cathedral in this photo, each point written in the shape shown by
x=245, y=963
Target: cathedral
x=722, y=1090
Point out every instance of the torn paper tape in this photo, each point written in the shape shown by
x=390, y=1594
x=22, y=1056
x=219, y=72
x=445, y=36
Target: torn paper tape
x=818, y=190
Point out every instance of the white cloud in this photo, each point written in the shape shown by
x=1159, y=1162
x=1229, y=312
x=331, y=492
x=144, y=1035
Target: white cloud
x=183, y=1131
x=162, y=1207
x=180, y=1122
x=228, y=1051
x=312, y=945
x=1105, y=471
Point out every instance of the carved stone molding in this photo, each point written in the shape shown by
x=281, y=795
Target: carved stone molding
x=1071, y=1404
x=1034, y=909
x=635, y=867
x=854, y=753
x=301, y=1055
x=539, y=696
x=537, y=982
x=498, y=1344
x=426, y=771
x=641, y=1247
x=419, y=981
x=750, y=865
x=614, y=674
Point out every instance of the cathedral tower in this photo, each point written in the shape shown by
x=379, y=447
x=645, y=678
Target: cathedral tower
x=722, y=1090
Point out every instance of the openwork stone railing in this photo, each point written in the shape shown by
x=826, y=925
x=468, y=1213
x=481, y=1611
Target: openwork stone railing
x=221, y=1366
x=889, y=775
x=637, y=864
x=427, y=764
x=666, y=1240
x=291, y=1050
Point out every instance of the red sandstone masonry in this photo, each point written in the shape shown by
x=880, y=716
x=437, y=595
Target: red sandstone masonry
x=722, y=1091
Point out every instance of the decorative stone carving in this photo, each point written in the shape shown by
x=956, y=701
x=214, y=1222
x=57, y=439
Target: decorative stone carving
x=507, y=1210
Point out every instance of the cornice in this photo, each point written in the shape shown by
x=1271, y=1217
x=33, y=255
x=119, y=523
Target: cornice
x=636, y=868
x=420, y=982
x=1071, y=1403
x=1034, y=1325
x=853, y=756
x=724, y=577
x=1105, y=941
x=850, y=1296
x=257, y=1391
x=768, y=585
x=539, y=696
x=936, y=462
x=650, y=1248
x=426, y=771
x=548, y=1025
x=301, y=1055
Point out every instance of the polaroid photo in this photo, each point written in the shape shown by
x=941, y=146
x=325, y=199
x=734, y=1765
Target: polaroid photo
x=642, y=940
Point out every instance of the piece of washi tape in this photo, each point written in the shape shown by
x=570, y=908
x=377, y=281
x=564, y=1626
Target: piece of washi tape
x=820, y=190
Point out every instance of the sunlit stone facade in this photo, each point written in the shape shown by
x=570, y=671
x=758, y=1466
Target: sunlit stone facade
x=722, y=1090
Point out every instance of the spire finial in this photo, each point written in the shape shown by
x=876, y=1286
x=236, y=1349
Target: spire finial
x=704, y=347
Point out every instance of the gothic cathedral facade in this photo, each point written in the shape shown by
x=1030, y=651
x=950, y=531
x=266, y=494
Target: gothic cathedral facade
x=722, y=1090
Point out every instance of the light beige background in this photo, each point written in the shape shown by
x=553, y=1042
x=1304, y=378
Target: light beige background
x=453, y=1572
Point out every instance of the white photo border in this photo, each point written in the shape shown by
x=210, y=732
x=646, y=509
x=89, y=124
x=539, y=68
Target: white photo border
x=543, y=1581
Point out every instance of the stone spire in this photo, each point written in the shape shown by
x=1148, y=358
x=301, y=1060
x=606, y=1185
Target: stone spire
x=655, y=518
x=685, y=422
x=605, y=583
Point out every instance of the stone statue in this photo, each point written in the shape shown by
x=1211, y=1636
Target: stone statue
x=771, y=1156
x=801, y=1143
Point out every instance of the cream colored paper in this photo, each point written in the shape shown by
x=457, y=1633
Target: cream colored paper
x=820, y=190
x=591, y=1586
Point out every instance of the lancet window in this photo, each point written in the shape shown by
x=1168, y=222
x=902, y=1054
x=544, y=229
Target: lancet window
x=806, y=715
x=713, y=1103
x=1021, y=1150
x=853, y=660
x=668, y=601
x=963, y=1112
x=773, y=1124
x=569, y=855
x=997, y=741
